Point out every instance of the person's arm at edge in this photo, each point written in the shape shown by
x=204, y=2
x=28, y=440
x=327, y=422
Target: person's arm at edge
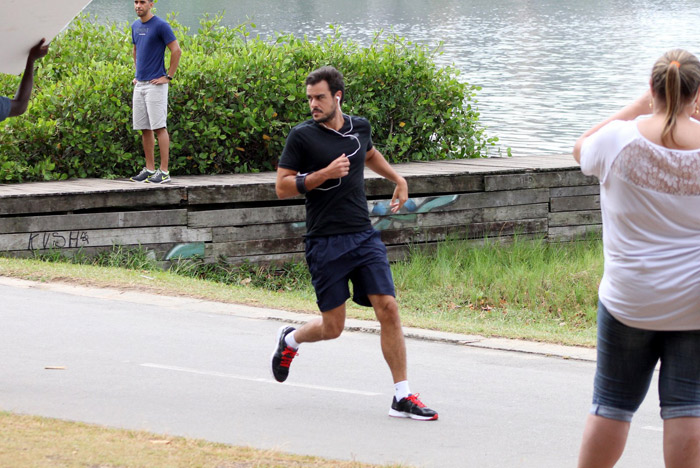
x=378, y=163
x=19, y=104
x=630, y=112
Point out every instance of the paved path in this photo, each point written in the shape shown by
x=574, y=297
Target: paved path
x=200, y=369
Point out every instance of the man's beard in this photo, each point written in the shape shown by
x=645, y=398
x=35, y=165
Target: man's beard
x=327, y=117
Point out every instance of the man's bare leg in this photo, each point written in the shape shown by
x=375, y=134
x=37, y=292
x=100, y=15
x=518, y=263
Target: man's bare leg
x=164, y=147
x=392, y=341
x=327, y=327
x=149, y=146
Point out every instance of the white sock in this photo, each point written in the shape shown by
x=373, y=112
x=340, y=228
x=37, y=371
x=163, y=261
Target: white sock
x=291, y=342
x=401, y=389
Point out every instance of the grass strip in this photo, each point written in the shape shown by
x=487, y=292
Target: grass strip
x=44, y=442
x=527, y=289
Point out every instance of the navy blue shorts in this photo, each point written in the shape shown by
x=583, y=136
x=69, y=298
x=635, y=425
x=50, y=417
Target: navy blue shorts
x=336, y=260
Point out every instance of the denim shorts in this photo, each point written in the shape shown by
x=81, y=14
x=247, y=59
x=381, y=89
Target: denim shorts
x=336, y=260
x=627, y=357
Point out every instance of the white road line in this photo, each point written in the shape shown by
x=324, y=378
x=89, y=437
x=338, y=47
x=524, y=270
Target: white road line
x=255, y=379
x=653, y=428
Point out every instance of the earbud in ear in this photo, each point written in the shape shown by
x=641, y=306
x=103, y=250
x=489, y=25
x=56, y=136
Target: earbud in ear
x=337, y=98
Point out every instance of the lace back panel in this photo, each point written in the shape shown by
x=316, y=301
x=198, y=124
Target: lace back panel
x=659, y=169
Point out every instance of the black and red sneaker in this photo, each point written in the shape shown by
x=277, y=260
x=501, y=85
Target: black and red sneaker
x=283, y=355
x=412, y=407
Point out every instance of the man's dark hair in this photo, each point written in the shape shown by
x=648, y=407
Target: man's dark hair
x=331, y=76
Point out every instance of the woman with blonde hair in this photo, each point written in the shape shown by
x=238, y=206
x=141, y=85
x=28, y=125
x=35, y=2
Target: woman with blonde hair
x=649, y=296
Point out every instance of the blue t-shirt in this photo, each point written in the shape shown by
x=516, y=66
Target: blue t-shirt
x=150, y=39
x=5, y=104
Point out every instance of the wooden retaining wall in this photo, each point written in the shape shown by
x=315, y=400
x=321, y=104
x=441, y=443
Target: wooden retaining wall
x=239, y=218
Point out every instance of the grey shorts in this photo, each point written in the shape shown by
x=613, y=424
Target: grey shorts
x=150, y=105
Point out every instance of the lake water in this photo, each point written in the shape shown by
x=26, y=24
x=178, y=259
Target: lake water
x=549, y=69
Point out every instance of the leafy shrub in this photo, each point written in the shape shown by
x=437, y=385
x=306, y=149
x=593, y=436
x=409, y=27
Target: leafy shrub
x=232, y=103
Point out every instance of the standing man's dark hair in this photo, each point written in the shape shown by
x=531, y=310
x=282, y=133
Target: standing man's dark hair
x=18, y=105
x=324, y=158
x=150, y=36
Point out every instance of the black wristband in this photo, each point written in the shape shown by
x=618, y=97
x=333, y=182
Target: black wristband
x=301, y=183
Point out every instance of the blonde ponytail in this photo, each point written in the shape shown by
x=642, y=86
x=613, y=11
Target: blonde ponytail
x=676, y=78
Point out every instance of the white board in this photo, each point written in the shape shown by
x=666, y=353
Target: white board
x=25, y=22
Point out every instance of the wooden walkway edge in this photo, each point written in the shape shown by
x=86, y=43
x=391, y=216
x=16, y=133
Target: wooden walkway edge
x=238, y=217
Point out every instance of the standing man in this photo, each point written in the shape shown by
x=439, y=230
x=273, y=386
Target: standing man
x=150, y=35
x=18, y=105
x=324, y=158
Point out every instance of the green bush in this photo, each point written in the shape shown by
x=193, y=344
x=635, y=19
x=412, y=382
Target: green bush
x=232, y=103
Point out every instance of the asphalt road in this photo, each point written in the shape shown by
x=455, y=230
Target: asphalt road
x=196, y=369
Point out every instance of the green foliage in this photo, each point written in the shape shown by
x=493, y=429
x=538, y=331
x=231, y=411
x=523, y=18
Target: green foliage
x=232, y=103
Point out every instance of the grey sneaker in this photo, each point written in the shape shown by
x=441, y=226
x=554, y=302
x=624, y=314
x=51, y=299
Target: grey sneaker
x=159, y=177
x=282, y=355
x=143, y=176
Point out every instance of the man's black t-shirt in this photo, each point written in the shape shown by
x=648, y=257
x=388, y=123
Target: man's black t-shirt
x=339, y=206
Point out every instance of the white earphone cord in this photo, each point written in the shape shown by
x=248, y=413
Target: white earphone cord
x=344, y=135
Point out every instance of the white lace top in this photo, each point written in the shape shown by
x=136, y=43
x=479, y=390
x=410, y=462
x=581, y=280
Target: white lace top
x=650, y=203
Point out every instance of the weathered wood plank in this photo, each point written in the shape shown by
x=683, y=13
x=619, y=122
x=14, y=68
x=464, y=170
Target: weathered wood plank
x=449, y=218
x=62, y=203
x=254, y=247
x=464, y=201
x=574, y=218
x=565, y=233
x=43, y=240
x=533, y=180
x=258, y=231
x=575, y=191
x=494, y=199
x=246, y=216
x=587, y=202
x=73, y=222
x=211, y=195
x=428, y=184
x=469, y=231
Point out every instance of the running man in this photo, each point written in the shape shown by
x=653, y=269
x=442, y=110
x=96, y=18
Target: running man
x=324, y=158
